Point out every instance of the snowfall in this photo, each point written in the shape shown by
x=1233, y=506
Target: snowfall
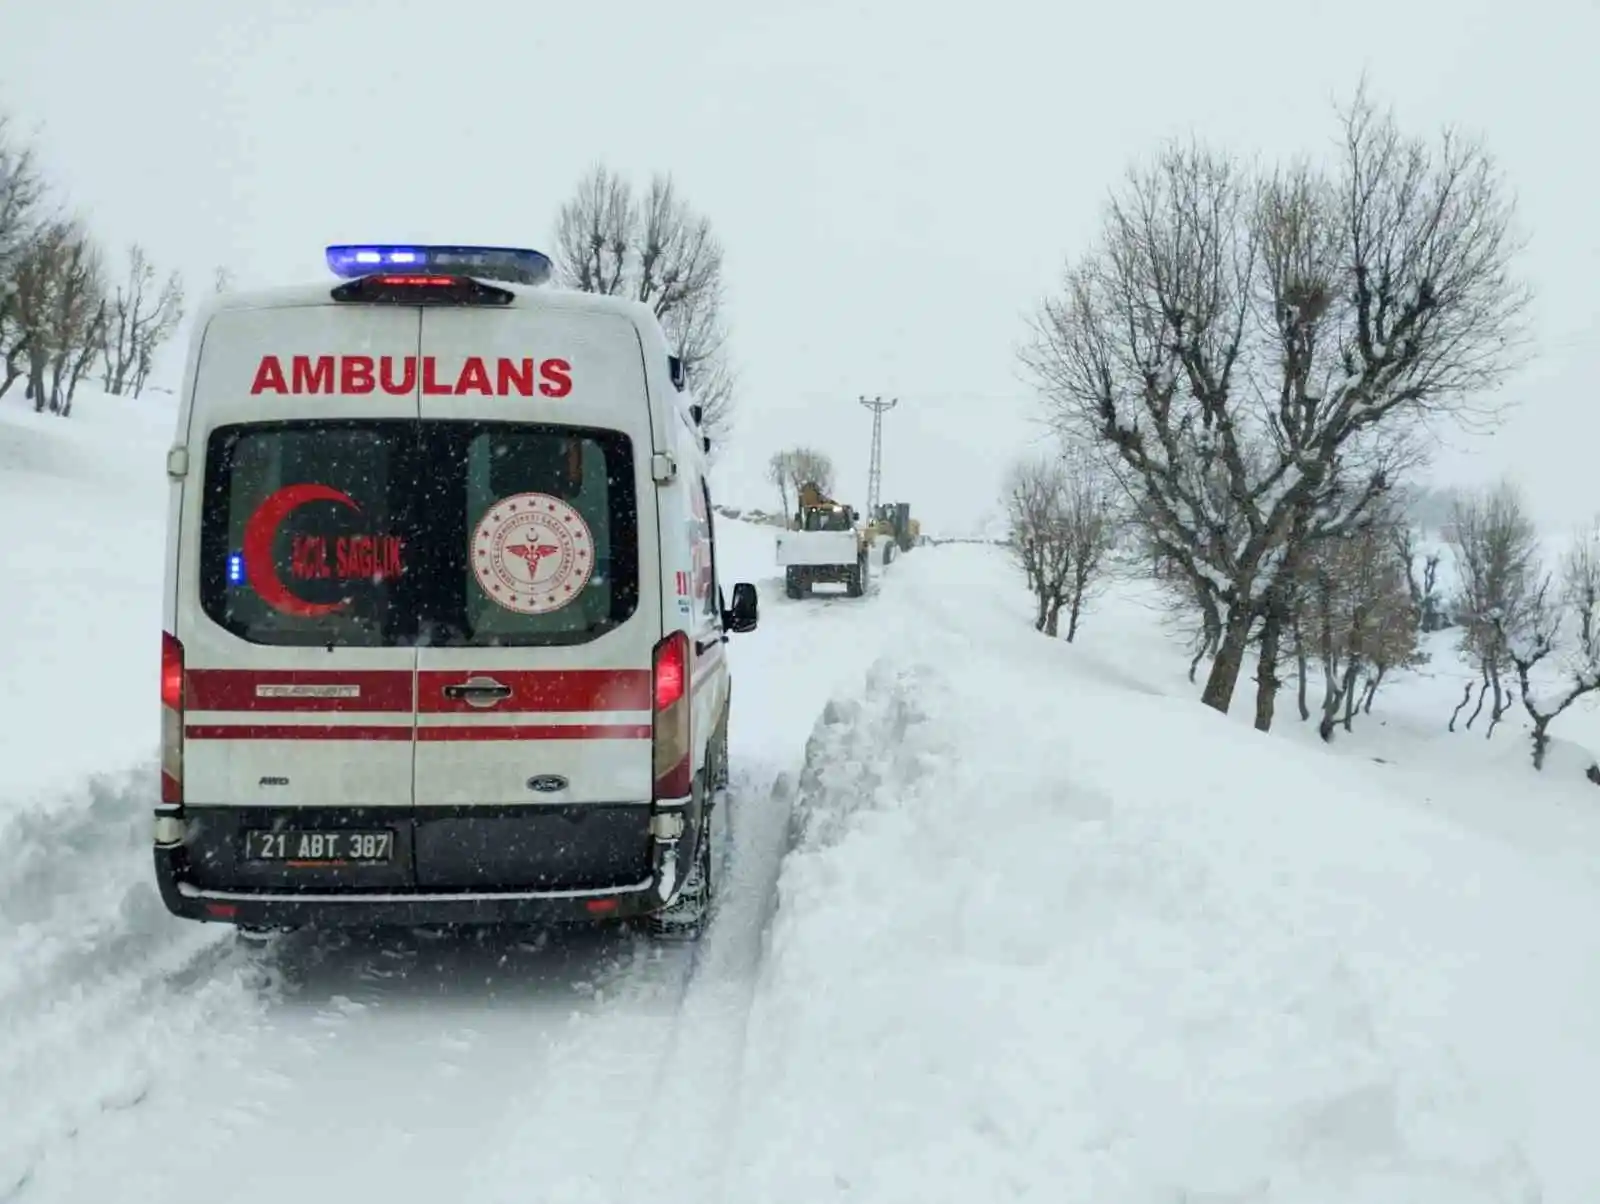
x=1006, y=919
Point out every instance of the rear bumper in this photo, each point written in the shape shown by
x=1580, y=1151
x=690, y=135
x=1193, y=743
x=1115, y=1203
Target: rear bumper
x=526, y=866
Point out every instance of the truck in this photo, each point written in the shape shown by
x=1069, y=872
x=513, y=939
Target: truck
x=823, y=544
x=895, y=521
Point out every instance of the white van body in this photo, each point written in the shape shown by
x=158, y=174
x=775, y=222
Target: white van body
x=444, y=633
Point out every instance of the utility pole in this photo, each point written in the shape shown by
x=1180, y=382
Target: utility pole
x=879, y=408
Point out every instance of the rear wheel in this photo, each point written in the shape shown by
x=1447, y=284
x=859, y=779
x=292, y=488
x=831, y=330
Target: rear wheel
x=856, y=584
x=684, y=919
x=794, y=584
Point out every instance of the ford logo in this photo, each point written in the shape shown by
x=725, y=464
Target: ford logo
x=547, y=783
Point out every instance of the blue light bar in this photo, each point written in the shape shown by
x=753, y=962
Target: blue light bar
x=515, y=265
x=235, y=568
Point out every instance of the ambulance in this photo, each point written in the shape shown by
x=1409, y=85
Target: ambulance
x=444, y=631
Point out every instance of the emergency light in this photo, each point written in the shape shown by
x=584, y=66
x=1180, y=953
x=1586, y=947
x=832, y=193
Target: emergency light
x=514, y=265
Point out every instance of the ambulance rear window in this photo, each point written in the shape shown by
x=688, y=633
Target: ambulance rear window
x=395, y=533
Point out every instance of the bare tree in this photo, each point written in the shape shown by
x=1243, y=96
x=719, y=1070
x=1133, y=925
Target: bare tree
x=61, y=309
x=22, y=193
x=1422, y=577
x=778, y=474
x=1035, y=501
x=1500, y=593
x=655, y=249
x=1257, y=350
x=1091, y=522
x=1353, y=612
x=1566, y=625
x=789, y=470
x=140, y=319
x=1062, y=526
x=223, y=280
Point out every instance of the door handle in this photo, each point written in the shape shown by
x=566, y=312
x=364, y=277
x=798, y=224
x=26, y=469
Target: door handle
x=701, y=647
x=478, y=691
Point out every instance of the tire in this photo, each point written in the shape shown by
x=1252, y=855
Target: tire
x=686, y=917
x=793, y=585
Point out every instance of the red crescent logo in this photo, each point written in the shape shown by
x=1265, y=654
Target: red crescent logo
x=262, y=529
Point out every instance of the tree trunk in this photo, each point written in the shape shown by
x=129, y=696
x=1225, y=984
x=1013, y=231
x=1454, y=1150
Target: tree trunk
x=1372, y=689
x=1541, y=739
x=1302, y=670
x=1351, y=696
x=1052, y=617
x=1072, y=615
x=1331, y=698
x=1267, y=682
x=1483, y=693
x=1224, y=675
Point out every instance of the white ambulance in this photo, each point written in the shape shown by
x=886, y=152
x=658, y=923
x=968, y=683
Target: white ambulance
x=444, y=631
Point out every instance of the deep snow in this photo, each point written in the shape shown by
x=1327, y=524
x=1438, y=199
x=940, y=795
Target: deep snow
x=1046, y=937
x=1006, y=920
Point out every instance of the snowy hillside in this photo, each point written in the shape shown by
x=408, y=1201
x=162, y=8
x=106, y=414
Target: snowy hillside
x=1007, y=920
x=81, y=521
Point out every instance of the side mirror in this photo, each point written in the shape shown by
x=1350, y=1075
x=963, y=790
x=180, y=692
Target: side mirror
x=680, y=378
x=742, y=615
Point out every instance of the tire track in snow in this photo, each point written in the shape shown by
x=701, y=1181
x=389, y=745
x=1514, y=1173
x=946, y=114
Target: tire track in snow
x=614, y=1112
x=702, y=1078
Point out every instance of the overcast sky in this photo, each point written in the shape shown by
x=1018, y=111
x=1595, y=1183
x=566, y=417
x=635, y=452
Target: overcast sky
x=895, y=189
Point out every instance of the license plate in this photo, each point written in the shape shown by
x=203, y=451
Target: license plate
x=341, y=847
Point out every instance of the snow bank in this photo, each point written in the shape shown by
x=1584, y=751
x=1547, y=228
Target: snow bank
x=82, y=522
x=1043, y=937
x=100, y=989
x=103, y=994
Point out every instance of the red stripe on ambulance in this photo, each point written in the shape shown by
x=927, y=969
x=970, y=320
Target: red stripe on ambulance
x=394, y=691
x=565, y=691
x=324, y=731
x=396, y=375
x=386, y=691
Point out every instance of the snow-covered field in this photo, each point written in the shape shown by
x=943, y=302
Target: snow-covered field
x=1008, y=921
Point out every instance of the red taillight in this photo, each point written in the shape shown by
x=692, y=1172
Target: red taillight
x=671, y=670
x=171, y=672
x=600, y=907
x=171, y=719
x=672, y=749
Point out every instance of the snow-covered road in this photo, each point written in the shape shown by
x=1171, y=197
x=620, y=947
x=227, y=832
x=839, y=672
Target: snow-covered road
x=155, y=1056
